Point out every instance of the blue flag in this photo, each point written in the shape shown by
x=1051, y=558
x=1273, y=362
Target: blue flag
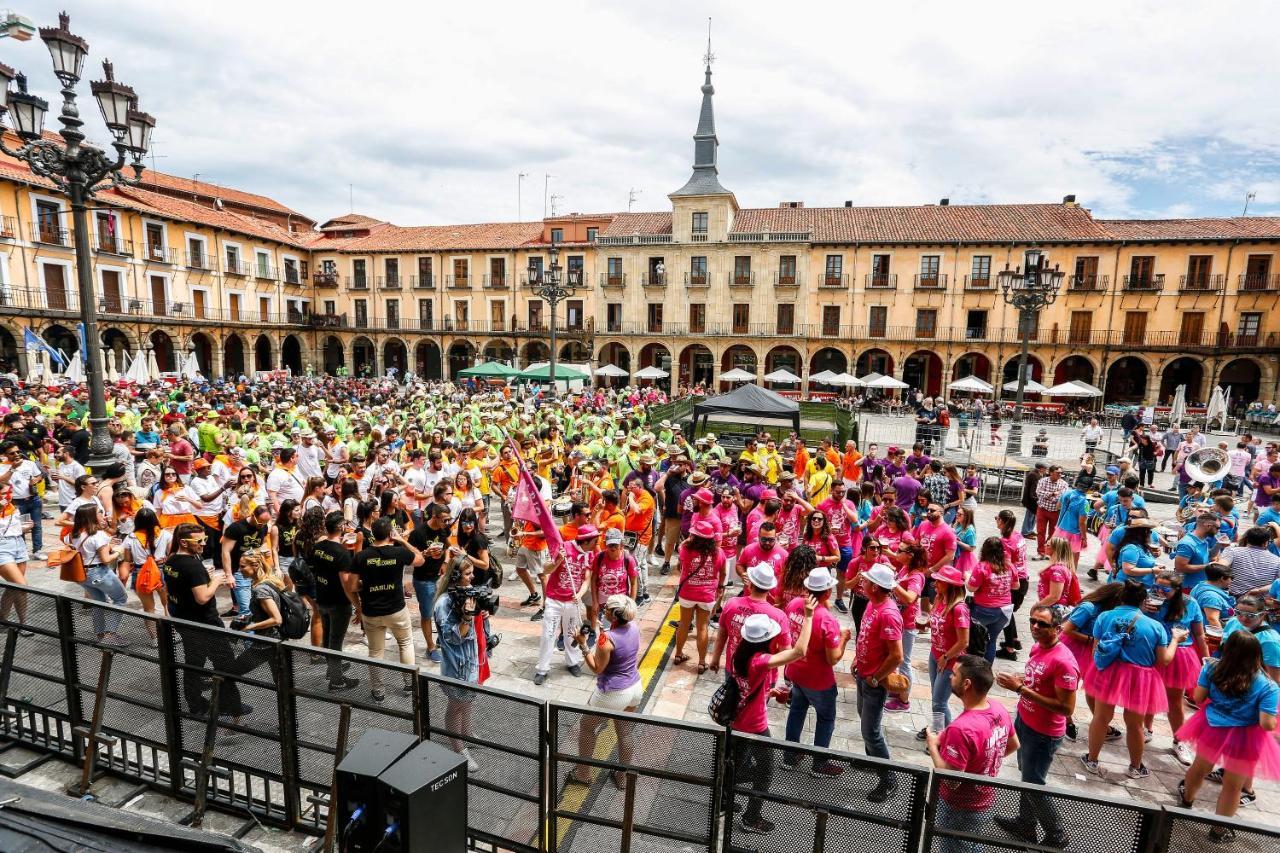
x=84, y=352
x=35, y=343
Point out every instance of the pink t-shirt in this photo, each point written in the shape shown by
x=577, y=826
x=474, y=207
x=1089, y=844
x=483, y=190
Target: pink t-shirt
x=736, y=611
x=837, y=520
x=1057, y=573
x=754, y=690
x=938, y=541
x=990, y=589
x=824, y=547
x=911, y=582
x=944, y=627
x=563, y=583
x=754, y=554
x=700, y=575
x=1015, y=554
x=711, y=516
x=812, y=671
x=613, y=577
x=755, y=518
x=974, y=743
x=728, y=516
x=789, y=523
x=881, y=626
x=1047, y=671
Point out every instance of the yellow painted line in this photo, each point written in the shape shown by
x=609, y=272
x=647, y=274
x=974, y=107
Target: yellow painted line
x=575, y=796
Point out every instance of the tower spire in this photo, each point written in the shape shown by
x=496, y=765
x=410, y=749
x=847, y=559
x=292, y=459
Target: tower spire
x=705, y=180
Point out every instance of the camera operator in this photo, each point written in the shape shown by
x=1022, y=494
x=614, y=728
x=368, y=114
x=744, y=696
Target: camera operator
x=458, y=610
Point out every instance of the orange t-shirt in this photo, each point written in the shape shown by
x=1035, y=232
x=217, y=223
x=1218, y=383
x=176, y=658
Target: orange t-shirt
x=641, y=523
x=851, y=466
x=802, y=461
x=606, y=520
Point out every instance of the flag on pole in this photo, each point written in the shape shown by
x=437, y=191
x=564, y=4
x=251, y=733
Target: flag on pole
x=529, y=506
x=83, y=348
x=35, y=343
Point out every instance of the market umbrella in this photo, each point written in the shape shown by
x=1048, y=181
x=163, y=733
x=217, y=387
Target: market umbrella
x=846, y=379
x=824, y=377
x=972, y=385
x=737, y=374
x=153, y=365
x=109, y=365
x=75, y=370
x=137, y=372
x=1086, y=389
x=491, y=369
x=869, y=378
x=37, y=367
x=652, y=373
x=887, y=383
x=1032, y=387
x=1070, y=389
x=1179, y=409
x=783, y=375
x=191, y=368
x=612, y=371
x=543, y=371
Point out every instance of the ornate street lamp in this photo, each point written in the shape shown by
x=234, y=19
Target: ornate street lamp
x=80, y=171
x=1030, y=291
x=547, y=284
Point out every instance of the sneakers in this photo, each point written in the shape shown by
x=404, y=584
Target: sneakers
x=1139, y=772
x=378, y=696
x=1248, y=798
x=1113, y=734
x=1090, y=765
x=655, y=561
x=1016, y=828
x=1183, y=753
x=472, y=766
x=644, y=598
x=434, y=656
x=841, y=606
x=576, y=670
x=881, y=792
x=243, y=711
x=759, y=826
x=343, y=684
x=539, y=678
x=533, y=599
x=1007, y=654
x=1072, y=732
x=665, y=570
x=1147, y=735
x=894, y=706
x=1214, y=776
x=923, y=734
x=560, y=642
x=492, y=643
x=39, y=555
x=537, y=617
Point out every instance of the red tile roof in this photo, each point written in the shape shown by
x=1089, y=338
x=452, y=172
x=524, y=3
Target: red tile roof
x=384, y=237
x=172, y=183
x=350, y=221
x=626, y=224
x=1228, y=228
x=182, y=210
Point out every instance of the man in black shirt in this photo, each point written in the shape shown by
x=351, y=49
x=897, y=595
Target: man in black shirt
x=247, y=534
x=381, y=568
x=74, y=436
x=192, y=590
x=330, y=562
x=432, y=539
x=669, y=487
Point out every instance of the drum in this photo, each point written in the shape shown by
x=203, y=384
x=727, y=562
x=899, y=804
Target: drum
x=560, y=509
x=1213, y=639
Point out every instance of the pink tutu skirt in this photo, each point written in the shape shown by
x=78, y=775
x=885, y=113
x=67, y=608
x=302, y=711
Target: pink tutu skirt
x=1184, y=670
x=1101, y=557
x=966, y=563
x=1075, y=539
x=1129, y=686
x=1246, y=750
x=1082, y=651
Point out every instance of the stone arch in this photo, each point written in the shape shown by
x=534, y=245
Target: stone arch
x=696, y=365
x=202, y=345
x=973, y=364
x=575, y=352
x=233, y=355
x=61, y=338
x=364, y=357
x=333, y=354
x=291, y=355
x=262, y=359
x=164, y=349
x=395, y=355
x=426, y=360
x=117, y=344
x=739, y=356
x=1127, y=380
x=9, y=357
x=656, y=355
x=1035, y=370
x=535, y=352
x=1074, y=367
x=1186, y=371
x=922, y=370
x=874, y=360
x=1244, y=377
x=828, y=358
x=617, y=354
x=462, y=354
x=499, y=350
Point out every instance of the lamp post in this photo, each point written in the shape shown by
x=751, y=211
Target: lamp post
x=1030, y=289
x=80, y=171
x=548, y=284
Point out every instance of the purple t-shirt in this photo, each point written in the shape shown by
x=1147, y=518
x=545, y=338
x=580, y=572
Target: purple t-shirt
x=906, y=488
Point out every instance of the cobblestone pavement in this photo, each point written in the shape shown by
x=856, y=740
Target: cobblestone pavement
x=678, y=692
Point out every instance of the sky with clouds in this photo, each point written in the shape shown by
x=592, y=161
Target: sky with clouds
x=427, y=113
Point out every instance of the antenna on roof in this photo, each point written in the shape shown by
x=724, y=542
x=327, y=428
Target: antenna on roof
x=194, y=181
x=520, y=176
x=351, y=198
x=1248, y=197
x=554, y=198
x=154, y=155
x=631, y=198
x=546, y=183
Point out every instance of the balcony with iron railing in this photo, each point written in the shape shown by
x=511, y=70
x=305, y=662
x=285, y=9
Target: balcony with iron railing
x=422, y=282
x=635, y=240
x=882, y=281
x=293, y=275
x=1151, y=283
x=157, y=254
x=236, y=268
x=833, y=279
x=785, y=280
x=326, y=278
x=931, y=281
x=739, y=278
x=67, y=302
x=1088, y=283
x=458, y=282
x=388, y=282
x=199, y=261
x=653, y=279
x=1202, y=283
x=53, y=235
x=1259, y=283
x=8, y=228
x=614, y=279
x=108, y=244
x=266, y=272
x=979, y=283
x=697, y=279
x=357, y=282
x=495, y=281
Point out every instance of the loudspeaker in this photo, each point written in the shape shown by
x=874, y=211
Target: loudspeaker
x=360, y=818
x=425, y=798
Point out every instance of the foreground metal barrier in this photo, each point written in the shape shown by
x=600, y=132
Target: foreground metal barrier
x=162, y=713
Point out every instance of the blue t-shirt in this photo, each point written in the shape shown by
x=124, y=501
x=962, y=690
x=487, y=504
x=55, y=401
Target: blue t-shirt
x=1082, y=616
x=1213, y=597
x=1141, y=558
x=1116, y=535
x=1270, y=516
x=1267, y=638
x=1274, y=592
x=1145, y=637
x=968, y=536
x=1073, y=505
x=1191, y=614
x=1113, y=513
x=1198, y=553
x=1224, y=711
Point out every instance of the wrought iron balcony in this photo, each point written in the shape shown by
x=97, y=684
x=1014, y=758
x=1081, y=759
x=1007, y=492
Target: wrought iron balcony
x=238, y=268
x=618, y=279
x=833, y=279
x=781, y=279
x=1088, y=283
x=1152, y=283
x=979, y=282
x=1202, y=283
x=1259, y=283
x=326, y=278
x=931, y=281
x=111, y=245
x=653, y=279
x=742, y=279
x=882, y=281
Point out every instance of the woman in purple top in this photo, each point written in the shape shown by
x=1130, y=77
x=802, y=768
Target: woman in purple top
x=618, y=688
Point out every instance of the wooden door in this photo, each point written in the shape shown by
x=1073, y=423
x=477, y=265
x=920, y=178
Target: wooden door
x=264, y=309
x=1192, y=328
x=1081, y=327
x=233, y=305
x=197, y=297
x=1135, y=327
x=55, y=287
x=110, y=292
x=159, y=302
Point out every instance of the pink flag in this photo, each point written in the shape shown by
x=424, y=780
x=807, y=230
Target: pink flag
x=529, y=506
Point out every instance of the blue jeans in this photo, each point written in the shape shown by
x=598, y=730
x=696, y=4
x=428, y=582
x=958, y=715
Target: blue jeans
x=960, y=820
x=1028, y=522
x=908, y=643
x=870, y=716
x=940, y=684
x=33, y=508
x=994, y=620
x=103, y=584
x=824, y=705
x=1035, y=756
x=241, y=593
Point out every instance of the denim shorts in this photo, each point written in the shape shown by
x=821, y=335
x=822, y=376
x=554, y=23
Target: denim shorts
x=425, y=592
x=13, y=549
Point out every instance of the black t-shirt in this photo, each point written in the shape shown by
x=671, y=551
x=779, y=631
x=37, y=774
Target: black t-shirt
x=328, y=559
x=381, y=572
x=479, y=542
x=79, y=441
x=671, y=491
x=421, y=538
x=246, y=538
x=182, y=573
x=258, y=611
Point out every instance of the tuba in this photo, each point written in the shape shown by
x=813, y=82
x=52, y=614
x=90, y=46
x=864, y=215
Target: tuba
x=1207, y=465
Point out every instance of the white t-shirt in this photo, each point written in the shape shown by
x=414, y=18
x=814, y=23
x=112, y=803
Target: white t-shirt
x=137, y=554
x=67, y=491
x=204, y=485
x=308, y=461
x=283, y=485
x=22, y=478
x=1240, y=459
x=88, y=547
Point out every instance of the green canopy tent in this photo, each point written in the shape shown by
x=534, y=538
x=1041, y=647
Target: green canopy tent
x=542, y=372
x=489, y=370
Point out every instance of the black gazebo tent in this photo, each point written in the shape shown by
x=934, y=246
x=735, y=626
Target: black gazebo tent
x=750, y=404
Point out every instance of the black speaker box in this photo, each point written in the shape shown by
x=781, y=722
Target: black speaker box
x=361, y=813
x=425, y=796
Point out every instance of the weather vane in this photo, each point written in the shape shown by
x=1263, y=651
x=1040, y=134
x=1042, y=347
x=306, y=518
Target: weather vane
x=710, y=57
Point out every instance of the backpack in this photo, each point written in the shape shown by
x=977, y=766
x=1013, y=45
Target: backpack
x=300, y=572
x=1110, y=646
x=727, y=701
x=978, y=638
x=295, y=616
x=944, y=418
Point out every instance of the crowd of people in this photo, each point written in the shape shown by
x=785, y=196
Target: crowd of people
x=791, y=561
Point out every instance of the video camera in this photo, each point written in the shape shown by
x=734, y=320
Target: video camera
x=486, y=599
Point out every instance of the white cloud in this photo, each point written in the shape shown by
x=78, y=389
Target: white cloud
x=431, y=110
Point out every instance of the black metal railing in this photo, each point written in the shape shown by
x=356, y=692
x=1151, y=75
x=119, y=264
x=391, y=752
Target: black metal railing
x=266, y=272
x=325, y=278
x=458, y=282
x=1255, y=283
x=109, y=245
x=1088, y=283
x=653, y=279
x=388, y=282
x=422, y=282
x=614, y=279
x=979, y=282
x=237, y=268
x=833, y=279
x=931, y=281
x=199, y=261
x=160, y=255
x=496, y=281
x=1202, y=283
x=8, y=227
x=357, y=282
x=882, y=281
x=1149, y=283
x=741, y=279
x=53, y=235
x=697, y=279
x=787, y=279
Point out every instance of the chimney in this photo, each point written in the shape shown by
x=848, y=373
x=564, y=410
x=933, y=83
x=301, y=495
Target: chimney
x=791, y=204
x=944, y=202
x=1069, y=200
x=848, y=204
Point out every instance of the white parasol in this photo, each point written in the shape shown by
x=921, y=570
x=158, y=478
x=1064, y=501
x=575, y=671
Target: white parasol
x=109, y=365
x=737, y=374
x=783, y=375
x=75, y=370
x=972, y=385
x=824, y=376
x=153, y=366
x=137, y=372
x=846, y=379
x=887, y=383
x=612, y=371
x=1031, y=387
x=1179, y=409
x=652, y=373
x=191, y=368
